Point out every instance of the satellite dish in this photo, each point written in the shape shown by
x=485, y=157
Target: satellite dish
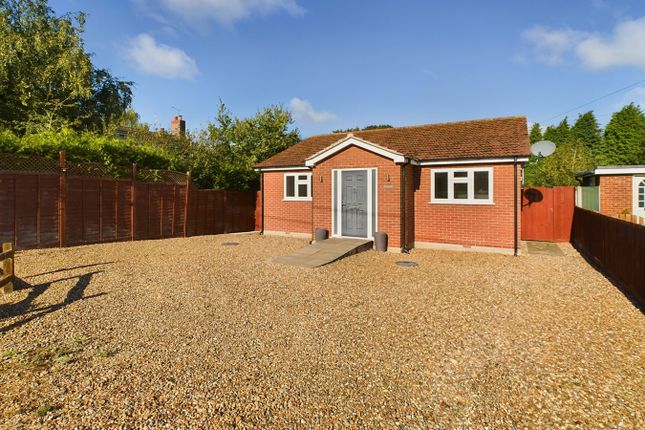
x=543, y=148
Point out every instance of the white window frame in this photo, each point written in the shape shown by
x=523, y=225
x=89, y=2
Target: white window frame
x=469, y=179
x=296, y=183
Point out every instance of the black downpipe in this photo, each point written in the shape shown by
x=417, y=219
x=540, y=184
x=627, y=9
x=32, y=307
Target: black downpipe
x=313, y=229
x=515, y=206
x=262, y=188
x=404, y=242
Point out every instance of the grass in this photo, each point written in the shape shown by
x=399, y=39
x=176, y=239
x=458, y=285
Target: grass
x=108, y=352
x=44, y=410
x=10, y=353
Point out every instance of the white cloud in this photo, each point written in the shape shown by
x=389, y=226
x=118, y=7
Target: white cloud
x=625, y=46
x=157, y=59
x=227, y=12
x=550, y=46
x=303, y=110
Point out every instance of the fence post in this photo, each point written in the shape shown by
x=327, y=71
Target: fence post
x=133, y=202
x=7, y=269
x=186, y=204
x=62, y=198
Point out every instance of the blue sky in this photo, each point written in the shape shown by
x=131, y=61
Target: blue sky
x=346, y=63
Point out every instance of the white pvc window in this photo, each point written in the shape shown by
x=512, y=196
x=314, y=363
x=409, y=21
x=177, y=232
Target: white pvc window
x=297, y=186
x=462, y=186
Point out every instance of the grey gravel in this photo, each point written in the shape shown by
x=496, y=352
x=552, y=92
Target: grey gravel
x=186, y=333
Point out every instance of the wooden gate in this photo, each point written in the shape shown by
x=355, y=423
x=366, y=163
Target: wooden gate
x=547, y=213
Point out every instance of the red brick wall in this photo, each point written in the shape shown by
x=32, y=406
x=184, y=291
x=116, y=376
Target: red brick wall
x=389, y=197
x=615, y=194
x=281, y=215
x=471, y=225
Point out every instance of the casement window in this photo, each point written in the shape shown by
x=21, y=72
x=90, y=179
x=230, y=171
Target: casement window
x=462, y=186
x=297, y=186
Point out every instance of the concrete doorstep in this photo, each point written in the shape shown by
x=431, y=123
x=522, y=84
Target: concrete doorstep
x=324, y=252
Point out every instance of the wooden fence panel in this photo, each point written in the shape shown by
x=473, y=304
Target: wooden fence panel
x=258, y=211
x=95, y=209
x=48, y=211
x=91, y=214
x=124, y=209
x=26, y=204
x=547, y=213
x=615, y=245
x=219, y=221
x=180, y=203
x=154, y=211
x=7, y=207
x=108, y=210
x=141, y=209
x=74, y=211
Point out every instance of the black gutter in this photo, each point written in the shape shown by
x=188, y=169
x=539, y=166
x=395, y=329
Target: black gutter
x=515, y=206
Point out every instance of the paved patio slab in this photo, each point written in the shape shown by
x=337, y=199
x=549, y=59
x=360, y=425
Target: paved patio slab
x=544, y=248
x=324, y=252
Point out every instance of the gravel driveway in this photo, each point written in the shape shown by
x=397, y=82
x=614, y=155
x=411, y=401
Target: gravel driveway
x=187, y=333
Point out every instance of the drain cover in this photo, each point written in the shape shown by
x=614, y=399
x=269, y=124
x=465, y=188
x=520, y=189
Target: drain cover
x=230, y=244
x=406, y=263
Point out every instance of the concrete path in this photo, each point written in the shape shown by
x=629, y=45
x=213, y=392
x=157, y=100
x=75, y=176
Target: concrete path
x=544, y=248
x=324, y=252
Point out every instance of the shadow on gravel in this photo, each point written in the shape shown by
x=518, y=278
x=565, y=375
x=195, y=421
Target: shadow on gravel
x=615, y=282
x=65, y=269
x=24, y=306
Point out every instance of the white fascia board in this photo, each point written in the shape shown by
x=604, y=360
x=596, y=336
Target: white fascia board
x=619, y=170
x=474, y=161
x=280, y=169
x=352, y=141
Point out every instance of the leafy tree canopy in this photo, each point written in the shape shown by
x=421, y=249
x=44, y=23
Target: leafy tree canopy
x=221, y=157
x=587, y=130
x=624, y=140
x=535, y=135
x=570, y=157
x=558, y=134
x=229, y=147
x=47, y=79
x=369, y=127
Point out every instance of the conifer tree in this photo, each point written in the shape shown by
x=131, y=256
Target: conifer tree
x=624, y=141
x=558, y=134
x=587, y=130
x=535, y=135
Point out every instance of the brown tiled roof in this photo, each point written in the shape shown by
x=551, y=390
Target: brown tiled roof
x=484, y=138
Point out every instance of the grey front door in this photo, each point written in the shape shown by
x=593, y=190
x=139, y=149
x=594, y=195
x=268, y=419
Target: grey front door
x=354, y=203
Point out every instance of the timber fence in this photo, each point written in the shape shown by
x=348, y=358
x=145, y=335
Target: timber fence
x=49, y=203
x=617, y=246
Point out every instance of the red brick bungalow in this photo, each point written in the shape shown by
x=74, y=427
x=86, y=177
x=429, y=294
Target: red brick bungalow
x=621, y=189
x=453, y=185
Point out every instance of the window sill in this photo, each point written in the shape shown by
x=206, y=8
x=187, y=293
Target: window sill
x=296, y=199
x=463, y=202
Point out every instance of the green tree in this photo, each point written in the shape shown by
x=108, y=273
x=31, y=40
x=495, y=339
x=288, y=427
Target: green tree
x=230, y=147
x=624, y=141
x=587, y=130
x=558, y=134
x=47, y=79
x=369, y=127
x=130, y=119
x=535, y=135
x=570, y=157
